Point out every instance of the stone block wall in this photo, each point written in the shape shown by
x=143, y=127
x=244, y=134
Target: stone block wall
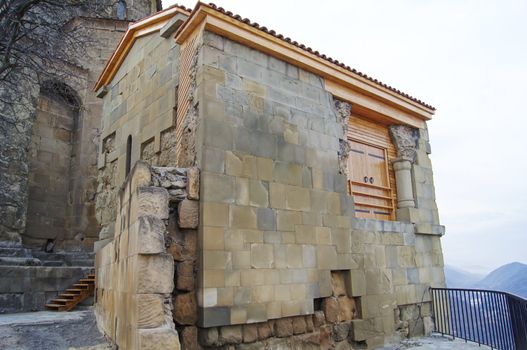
x=135, y=274
x=63, y=140
x=276, y=215
x=140, y=103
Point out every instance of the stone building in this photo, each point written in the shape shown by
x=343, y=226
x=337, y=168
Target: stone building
x=48, y=170
x=255, y=193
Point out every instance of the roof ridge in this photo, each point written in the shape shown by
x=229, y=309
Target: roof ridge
x=181, y=7
x=314, y=52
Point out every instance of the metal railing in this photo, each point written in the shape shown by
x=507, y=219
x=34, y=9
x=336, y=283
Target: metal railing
x=487, y=317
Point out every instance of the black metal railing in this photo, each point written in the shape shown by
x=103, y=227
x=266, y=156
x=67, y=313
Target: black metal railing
x=487, y=317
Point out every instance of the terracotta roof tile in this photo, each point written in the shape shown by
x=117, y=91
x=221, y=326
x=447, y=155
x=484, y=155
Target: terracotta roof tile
x=308, y=49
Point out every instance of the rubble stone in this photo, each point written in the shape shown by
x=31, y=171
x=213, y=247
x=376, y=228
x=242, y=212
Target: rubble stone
x=185, y=309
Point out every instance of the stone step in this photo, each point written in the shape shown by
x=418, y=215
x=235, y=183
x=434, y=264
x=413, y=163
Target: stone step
x=66, y=258
x=16, y=261
x=47, y=256
x=52, y=263
x=83, y=262
x=17, y=252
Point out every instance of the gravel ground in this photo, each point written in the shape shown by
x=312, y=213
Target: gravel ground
x=51, y=331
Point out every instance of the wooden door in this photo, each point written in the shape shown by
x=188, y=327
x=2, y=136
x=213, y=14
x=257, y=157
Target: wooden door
x=369, y=181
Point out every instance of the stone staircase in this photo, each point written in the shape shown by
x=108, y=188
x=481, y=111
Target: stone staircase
x=74, y=295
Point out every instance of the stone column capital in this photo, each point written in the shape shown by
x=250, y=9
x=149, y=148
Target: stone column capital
x=343, y=108
x=405, y=140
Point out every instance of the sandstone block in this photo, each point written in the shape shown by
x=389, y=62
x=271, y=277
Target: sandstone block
x=152, y=201
x=326, y=257
x=193, y=183
x=277, y=195
x=297, y=198
x=141, y=175
x=294, y=256
x=150, y=310
x=155, y=274
x=266, y=219
x=323, y=235
x=213, y=238
x=185, y=309
x=258, y=193
x=215, y=214
x=265, y=168
x=231, y=335
x=243, y=217
x=286, y=220
x=242, y=191
x=216, y=260
x=151, y=235
x=158, y=338
x=238, y=315
x=217, y=188
x=188, y=214
x=355, y=283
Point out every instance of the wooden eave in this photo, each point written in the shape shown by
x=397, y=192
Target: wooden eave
x=368, y=98
x=135, y=30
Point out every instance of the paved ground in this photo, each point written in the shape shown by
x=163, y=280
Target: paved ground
x=78, y=330
x=435, y=343
x=51, y=331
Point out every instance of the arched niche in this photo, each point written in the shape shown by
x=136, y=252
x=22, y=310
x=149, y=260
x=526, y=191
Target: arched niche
x=50, y=163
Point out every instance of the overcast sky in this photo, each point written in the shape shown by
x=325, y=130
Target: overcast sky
x=466, y=58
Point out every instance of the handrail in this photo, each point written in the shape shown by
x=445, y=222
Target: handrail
x=493, y=318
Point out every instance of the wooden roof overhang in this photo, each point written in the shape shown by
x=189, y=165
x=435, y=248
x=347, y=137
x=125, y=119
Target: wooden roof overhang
x=135, y=30
x=371, y=99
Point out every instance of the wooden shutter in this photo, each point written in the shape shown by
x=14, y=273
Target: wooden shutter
x=371, y=177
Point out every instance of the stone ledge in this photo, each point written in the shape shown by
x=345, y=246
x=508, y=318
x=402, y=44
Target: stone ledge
x=429, y=229
x=382, y=225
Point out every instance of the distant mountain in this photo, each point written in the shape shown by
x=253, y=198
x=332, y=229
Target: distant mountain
x=510, y=278
x=457, y=278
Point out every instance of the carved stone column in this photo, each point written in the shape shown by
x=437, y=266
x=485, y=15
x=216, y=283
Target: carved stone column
x=343, y=110
x=405, y=140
